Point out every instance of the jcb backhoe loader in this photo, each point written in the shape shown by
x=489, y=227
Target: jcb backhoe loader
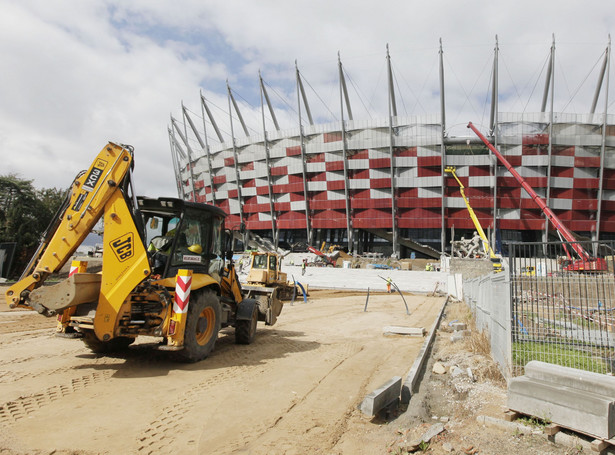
x=165, y=269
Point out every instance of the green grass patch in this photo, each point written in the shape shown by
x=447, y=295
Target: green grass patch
x=524, y=352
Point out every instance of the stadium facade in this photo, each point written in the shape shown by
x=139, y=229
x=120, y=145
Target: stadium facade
x=380, y=185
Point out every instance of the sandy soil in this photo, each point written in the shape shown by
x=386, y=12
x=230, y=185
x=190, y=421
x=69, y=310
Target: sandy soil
x=294, y=391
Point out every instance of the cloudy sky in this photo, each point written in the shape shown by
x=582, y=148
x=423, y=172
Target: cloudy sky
x=78, y=73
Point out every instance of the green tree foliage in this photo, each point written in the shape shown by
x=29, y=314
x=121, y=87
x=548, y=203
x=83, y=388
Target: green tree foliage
x=25, y=213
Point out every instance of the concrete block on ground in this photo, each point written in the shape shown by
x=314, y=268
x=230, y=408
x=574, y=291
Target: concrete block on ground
x=381, y=397
x=398, y=330
x=458, y=326
x=576, y=405
x=571, y=377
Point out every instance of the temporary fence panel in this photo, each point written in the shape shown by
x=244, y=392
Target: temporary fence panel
x=559, y=313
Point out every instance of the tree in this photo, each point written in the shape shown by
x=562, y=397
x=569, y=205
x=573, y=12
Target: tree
x=25, y=213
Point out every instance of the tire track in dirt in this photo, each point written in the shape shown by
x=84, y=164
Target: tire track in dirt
x=13, y=411
x=162, y=432
x=251, y=433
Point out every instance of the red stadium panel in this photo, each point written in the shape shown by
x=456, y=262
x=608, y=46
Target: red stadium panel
x=335, y=185
x=279, y=170
x=327, y=205
x=433, y=161
x=332, y=166
x=586, y=161
x=536, y=139
x=379, y=163
x=293, y=151
x=332, y=137
x=380, y=183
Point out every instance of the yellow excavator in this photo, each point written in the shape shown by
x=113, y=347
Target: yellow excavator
x=495, y=260
x=166, y=269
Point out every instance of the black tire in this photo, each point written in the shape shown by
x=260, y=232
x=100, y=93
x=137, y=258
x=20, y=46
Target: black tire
x=202, y=326
x=104, y=347
x=263, y=304
x=245, y=330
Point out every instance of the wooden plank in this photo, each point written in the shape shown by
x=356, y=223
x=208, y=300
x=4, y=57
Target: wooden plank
x=550, y=430
x=598, y=445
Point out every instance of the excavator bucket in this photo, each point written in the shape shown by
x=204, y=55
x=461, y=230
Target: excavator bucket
x=75, y=290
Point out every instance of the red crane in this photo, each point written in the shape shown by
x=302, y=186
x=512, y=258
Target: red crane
x=586, y=261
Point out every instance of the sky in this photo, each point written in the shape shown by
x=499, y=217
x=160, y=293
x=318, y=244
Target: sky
x=76, y=74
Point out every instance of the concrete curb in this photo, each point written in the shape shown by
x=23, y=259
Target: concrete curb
x=409, y=386
x=559, y=438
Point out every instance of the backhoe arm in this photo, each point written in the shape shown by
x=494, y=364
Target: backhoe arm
x=90, y=192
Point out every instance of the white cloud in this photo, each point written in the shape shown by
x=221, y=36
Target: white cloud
x=76, y=74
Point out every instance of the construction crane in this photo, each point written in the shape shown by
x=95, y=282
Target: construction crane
x=585, y=262
x=497, y=264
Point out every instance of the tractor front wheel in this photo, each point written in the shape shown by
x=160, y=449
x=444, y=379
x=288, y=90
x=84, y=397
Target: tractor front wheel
x=202, y=326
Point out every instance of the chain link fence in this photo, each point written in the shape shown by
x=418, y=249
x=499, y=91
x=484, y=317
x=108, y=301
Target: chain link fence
x=562, y=307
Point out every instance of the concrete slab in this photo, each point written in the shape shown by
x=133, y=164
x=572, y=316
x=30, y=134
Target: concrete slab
x=571, y=377
x=398, y=330
x=578, y=410
x=381, y=397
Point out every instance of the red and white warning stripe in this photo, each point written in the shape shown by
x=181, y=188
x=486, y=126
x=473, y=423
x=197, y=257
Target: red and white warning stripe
x=182, y=291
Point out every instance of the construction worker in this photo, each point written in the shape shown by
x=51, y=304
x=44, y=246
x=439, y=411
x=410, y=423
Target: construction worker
x=389, y=282
x=303, y=265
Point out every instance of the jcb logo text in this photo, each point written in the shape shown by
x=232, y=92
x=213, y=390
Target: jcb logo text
x=123, y=247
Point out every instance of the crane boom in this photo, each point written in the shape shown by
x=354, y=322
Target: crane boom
x=587, y=262
x=451, y=170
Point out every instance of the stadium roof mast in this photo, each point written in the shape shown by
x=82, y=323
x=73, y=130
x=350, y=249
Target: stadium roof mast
x=442, y=147
x=549, y=83
x=231, y=99
x=175, y=150
x=344, y=96
x=605, y=68
x=204, y=146
x=301, y=94
x=265, y=96
x=189, y=152
x=493, y=131
x=392, y=113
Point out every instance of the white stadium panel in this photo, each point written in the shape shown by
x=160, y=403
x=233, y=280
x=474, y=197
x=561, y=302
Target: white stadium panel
x=405, y=161
x=429, y=192
x=316, y=167
x=380, y=194
x=317, y=186
x=234, y=206
x=359, y=184
x=509, y=214
x=297, y=206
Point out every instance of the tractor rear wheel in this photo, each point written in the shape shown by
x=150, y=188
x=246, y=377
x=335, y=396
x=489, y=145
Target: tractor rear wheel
x=202, y=326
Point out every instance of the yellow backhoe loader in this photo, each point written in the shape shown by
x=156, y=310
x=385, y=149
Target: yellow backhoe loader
x=267, y=283
x=166, y=271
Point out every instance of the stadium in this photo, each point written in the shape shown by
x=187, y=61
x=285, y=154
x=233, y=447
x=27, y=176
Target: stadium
x=379, y=185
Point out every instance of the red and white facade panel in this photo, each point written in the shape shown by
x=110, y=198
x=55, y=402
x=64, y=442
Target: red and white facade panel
x=351, y=183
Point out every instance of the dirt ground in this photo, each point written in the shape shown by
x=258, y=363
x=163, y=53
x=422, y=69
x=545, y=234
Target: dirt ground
x=294, y=391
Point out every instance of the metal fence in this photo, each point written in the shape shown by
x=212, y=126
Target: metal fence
x=562, y=308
